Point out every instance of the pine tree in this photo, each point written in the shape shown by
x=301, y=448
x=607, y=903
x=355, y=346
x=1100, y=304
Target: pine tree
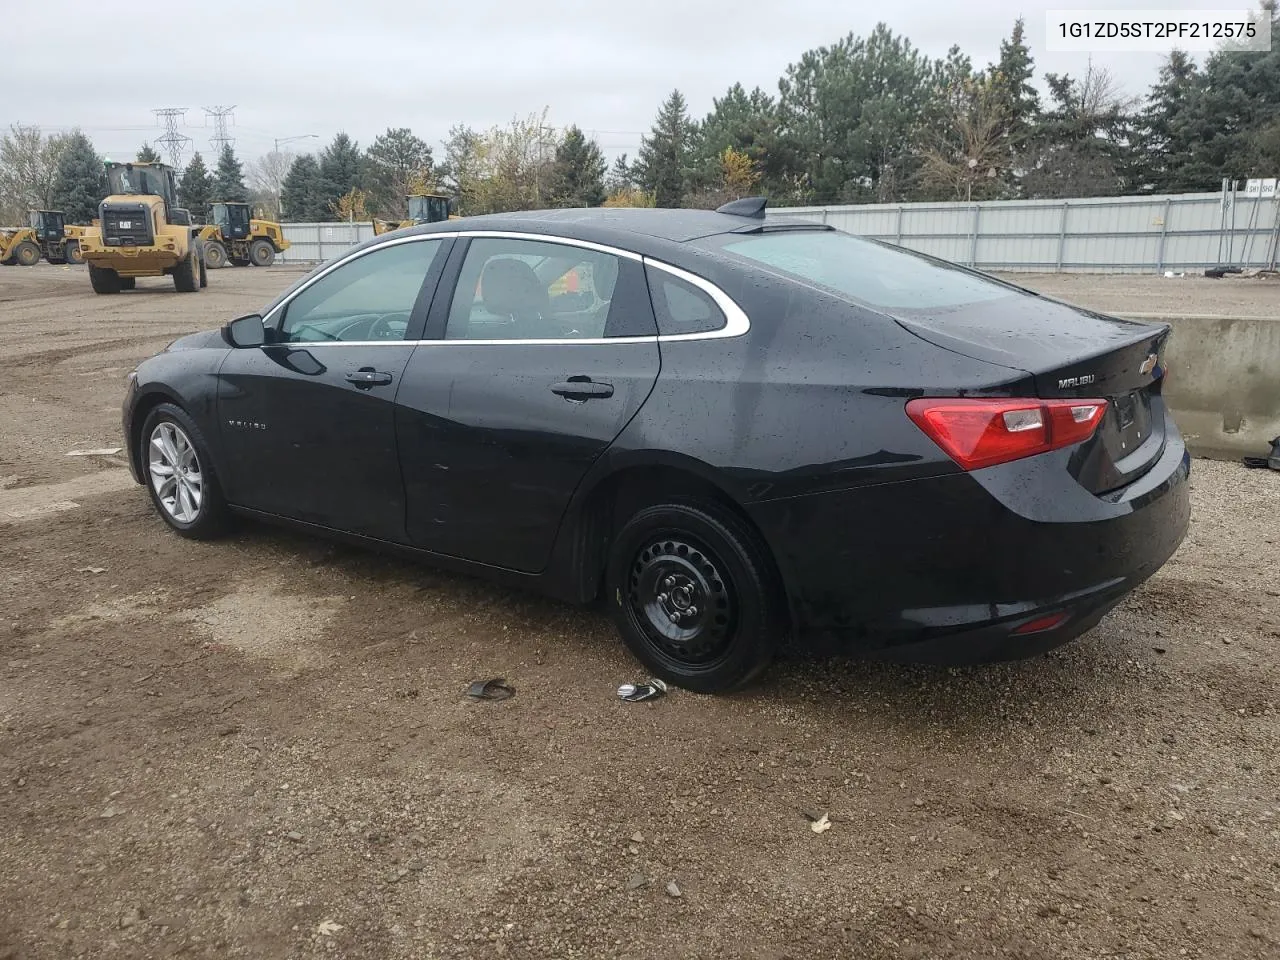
x=228, y=178
x=195, y=188
x=664, y=154
x=340, y=170
x=148, y=155
x=621, y=176
x=1015, y=98
x=302, y=196
x=81, y=180
x=577, y=174
x=396, y=165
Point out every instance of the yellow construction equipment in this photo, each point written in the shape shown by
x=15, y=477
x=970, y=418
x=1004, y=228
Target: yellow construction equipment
x=18, y=245
x=234, y=236
x=423, y=208
x=48, y=231
x=142, y=232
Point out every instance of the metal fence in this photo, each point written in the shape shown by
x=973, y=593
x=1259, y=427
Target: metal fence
x=1095, y=235
x=1187, y=231
x=317, y=242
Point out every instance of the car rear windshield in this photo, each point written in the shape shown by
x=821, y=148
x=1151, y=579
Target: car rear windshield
x=870, y=273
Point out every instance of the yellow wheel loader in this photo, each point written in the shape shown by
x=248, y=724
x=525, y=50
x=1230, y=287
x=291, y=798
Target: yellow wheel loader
x=142, y=232
x=18, y=245
x=58, y=240
x=233, y=236
x=423, y=208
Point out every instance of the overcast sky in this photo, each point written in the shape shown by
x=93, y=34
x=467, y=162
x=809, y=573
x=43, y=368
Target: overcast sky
x=321, y=66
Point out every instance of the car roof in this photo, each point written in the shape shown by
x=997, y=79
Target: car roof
x=620, y=226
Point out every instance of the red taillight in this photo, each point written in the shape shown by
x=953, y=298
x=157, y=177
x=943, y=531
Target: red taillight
x=1041, y=624
x=981, y=433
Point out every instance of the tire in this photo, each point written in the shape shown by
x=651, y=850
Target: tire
x=669, y=559
x=72, y=251
x=262, y=253
x=104, y=280
x=215, y=255
x=190, y=502
x=26, y=254
x=204, y=274
x=186, y=275
x=128, y=283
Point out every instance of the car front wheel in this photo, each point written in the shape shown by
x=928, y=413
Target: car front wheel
x=693, y=594
x=180, y=474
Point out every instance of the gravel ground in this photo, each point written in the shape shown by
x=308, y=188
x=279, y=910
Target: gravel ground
x=260, y=747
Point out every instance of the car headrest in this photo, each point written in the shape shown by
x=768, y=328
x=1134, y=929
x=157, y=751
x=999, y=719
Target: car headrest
x=511, y=288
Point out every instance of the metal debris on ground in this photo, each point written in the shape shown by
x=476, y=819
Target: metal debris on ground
x=494, y=689
x=1272, y=460
x=101, y=452
x=91, y=569
x=634, y=692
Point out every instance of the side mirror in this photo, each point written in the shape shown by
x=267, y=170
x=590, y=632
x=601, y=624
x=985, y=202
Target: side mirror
x=245, y=331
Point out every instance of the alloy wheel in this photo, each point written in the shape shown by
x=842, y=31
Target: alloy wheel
x=175, y=472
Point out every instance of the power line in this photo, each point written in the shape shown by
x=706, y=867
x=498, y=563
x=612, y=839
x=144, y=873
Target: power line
x=220, y=138
x=174, y=142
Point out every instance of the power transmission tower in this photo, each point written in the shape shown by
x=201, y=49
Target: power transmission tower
x=220, y=138
x=175, y=143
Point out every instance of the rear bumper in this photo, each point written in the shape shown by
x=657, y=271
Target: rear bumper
x=945, y=569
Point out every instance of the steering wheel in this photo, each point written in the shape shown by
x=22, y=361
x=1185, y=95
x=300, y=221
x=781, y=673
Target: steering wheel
x=381, y=329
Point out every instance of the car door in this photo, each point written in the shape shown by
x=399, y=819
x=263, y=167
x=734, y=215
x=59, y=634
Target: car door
x=536, y=361
x=307, y=420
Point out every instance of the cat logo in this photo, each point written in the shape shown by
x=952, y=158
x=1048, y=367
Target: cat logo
x=1149, y=364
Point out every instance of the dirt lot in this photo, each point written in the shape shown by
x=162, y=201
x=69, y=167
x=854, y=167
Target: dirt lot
x=260, y=747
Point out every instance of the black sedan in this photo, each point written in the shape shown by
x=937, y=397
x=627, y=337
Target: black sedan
x=736, y=432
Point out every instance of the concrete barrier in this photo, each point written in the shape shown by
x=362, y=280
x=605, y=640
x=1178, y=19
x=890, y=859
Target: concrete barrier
x=1224, y=382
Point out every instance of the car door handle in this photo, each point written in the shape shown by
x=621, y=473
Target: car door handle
x=368, y=377
x=582, y=389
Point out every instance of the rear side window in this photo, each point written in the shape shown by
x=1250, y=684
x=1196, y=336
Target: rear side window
x=680, y=306
x=868, y=272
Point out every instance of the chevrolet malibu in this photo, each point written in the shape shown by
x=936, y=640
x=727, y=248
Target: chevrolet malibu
x=737, y=432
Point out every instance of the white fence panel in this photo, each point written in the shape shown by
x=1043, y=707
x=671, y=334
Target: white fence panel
x=318, y=242
x=1093, y=234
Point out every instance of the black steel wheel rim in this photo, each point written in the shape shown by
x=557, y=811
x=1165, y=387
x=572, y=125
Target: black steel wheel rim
x=682, y=601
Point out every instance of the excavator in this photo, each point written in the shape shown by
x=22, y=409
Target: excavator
x=423, y=208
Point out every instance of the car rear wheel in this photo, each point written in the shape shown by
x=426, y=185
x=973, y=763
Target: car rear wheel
x=693, y=594
x=262, y=253
x=180, y=474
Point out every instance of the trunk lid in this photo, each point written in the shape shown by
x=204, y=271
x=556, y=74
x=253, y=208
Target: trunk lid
x=1070, y=352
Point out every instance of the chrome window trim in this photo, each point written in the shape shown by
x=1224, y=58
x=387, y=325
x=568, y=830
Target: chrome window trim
x=737, y=322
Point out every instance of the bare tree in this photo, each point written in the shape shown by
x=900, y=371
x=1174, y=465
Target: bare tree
x=266, y=177
x=28, y=169
x=969, y=151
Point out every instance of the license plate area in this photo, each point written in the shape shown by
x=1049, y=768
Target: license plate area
x=1126, y=411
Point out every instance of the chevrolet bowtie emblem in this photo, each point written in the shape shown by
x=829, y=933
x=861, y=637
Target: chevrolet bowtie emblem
x=1149, y=364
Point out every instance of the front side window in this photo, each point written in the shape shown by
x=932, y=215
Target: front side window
x=368, y=298
x=511, y=289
